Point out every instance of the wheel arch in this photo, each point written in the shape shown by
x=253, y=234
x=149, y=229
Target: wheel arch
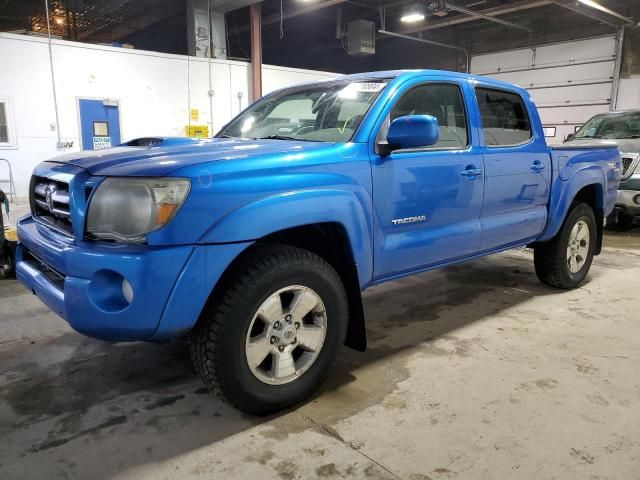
x=329, y=240
x=586, y=186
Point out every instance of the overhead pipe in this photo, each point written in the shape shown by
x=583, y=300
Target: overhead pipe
x=499, y=21
x=431, y=42
x=473, y=13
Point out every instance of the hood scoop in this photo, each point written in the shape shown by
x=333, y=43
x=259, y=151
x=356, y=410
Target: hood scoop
x=160, y=141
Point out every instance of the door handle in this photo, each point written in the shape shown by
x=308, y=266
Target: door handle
x=471, y=173
x=537, y=166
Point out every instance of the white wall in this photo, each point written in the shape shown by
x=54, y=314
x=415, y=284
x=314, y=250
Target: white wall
x=151, y=89
x=569, y=82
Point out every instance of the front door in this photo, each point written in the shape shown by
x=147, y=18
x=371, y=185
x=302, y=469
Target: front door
x=99, y=124
x=428, y=200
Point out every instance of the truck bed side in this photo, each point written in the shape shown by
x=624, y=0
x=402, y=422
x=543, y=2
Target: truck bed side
x=585, y=170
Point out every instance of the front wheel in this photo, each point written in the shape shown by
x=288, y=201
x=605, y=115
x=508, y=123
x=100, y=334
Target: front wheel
x=269, y=340
x=564, y=261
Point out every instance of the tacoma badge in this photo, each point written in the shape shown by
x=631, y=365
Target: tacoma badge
x=402, y=221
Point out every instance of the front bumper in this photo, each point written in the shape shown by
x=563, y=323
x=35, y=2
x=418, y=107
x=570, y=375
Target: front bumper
x=628, y=201
x=82, y=282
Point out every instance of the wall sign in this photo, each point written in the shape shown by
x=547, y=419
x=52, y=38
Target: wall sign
x=197, y=131
x=101, y=142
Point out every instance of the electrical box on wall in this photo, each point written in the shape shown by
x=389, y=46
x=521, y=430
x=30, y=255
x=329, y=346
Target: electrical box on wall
x=361, y=36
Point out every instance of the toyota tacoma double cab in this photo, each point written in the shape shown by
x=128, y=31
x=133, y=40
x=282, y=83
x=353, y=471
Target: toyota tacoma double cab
x=256, y=245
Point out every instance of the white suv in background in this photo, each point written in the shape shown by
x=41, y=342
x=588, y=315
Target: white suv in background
x=623, y=129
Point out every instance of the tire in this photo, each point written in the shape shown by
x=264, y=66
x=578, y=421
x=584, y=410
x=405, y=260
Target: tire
x=552, y=259
x=242, y=315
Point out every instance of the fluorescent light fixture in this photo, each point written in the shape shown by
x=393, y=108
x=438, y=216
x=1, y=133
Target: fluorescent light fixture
x=592, y=4
x=595, y=5
x=412, y=17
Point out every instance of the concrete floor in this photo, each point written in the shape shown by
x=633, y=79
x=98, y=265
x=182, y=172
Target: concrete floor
x=473, y=372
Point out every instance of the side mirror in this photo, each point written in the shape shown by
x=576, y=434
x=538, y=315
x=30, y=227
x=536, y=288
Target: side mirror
x=569, y=137
x=413, y=131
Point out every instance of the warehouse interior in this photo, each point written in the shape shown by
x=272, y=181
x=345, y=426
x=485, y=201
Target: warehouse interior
x=473, y=371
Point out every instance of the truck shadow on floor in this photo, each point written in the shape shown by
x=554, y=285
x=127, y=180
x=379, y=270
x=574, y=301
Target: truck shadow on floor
x=125, y=405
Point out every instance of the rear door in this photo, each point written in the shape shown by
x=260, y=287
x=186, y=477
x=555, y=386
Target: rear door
x=99, y=123
x=428, y=200
x=517, y=169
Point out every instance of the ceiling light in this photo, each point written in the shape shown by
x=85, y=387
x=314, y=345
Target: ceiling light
x=412, y=17
x=415, y=14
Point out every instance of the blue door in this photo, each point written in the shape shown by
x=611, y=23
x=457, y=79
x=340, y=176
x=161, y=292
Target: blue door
x=517, y=170
x=99, y=124
x=427, y=202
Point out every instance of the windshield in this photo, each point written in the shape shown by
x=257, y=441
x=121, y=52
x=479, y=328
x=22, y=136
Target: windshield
x=612, y=125
x=326, y=112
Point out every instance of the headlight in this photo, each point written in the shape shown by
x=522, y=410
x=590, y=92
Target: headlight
x=127, y=209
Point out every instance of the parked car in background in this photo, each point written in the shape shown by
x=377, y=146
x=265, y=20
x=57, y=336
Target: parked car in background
x=621, y=129
x=256, y=244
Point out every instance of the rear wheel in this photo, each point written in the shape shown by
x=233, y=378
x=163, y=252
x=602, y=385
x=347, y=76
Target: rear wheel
x=269, y=340
x=564, y=261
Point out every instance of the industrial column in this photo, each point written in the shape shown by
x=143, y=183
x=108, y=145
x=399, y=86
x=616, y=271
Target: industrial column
x=256, y=51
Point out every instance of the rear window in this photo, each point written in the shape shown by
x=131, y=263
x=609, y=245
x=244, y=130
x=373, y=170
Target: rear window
x=505, y=121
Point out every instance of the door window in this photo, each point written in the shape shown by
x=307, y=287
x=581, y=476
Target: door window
x=100, y=129
x=443, y=101
x=505, y=121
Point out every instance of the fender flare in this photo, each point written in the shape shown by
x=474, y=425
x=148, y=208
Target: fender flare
x=565, y=191
x=298, y=208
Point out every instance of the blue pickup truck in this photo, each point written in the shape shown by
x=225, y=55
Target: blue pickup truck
x=256, y=245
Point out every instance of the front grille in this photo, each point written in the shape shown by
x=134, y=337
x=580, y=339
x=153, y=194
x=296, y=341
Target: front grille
x=50, y=203
x=630, y=163
x=54, y=276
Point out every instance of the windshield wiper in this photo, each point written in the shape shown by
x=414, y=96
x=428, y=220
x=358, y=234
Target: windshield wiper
x=595, y=136
x=285, y=137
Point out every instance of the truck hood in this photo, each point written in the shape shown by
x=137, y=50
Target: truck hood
x=169, y=154
x=629, y=145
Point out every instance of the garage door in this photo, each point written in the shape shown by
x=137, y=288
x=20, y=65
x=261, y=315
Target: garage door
x=570, y=82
